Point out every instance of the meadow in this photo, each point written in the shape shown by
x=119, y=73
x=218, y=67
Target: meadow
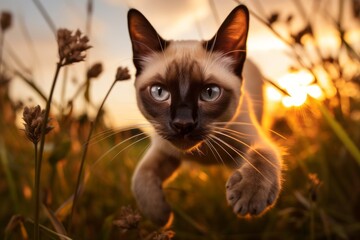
x=66, y=173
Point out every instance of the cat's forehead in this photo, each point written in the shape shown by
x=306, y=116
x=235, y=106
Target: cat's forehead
x=186, y=59
x=191, y=47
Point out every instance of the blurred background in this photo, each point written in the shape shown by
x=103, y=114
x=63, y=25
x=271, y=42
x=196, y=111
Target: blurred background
x=309, y=53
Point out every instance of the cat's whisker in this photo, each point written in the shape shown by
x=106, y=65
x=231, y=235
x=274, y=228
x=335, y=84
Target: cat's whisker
x=247, y=145
x=234, y=131
x=117, y=145
x=163, y=53
x=215, y=60
x=130, y=145
x=224, y=54
x=227, y=152
x=210, y=53
x=242, y=156
x=117, y=130
x=213, y=149
x=111, y=132
x=100, y=134
x=135, y=41
x=248, y=124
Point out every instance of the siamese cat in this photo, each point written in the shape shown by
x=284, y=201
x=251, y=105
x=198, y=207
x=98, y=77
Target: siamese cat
x=202, y=109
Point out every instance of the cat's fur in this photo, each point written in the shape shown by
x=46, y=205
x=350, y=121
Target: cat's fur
x=188, y=127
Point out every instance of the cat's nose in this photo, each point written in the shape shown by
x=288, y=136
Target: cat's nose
x=183, y=126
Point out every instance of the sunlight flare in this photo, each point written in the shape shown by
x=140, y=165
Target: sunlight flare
x=299, y=85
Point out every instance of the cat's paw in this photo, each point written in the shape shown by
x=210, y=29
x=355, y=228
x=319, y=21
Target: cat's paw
x=250, y=193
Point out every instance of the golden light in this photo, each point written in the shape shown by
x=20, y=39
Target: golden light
x=314, y=91
x=27, y=192
x=352, y=36
x=299, y=85
x=273, y=94
x=203, y=176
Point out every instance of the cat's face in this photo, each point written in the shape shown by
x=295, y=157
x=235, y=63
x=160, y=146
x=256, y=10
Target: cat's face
x=183, y=87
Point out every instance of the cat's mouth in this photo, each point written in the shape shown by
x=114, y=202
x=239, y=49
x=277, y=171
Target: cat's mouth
x=186, y=145
x=186, y=142
x=183, y=140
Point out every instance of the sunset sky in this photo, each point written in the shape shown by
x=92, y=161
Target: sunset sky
x=176, y=19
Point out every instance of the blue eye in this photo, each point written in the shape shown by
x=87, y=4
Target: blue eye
x=159, y=93
x=210, y=93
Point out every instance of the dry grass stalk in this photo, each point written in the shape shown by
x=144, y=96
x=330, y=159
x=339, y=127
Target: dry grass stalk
x=5, y=21
x=72, y=47
x=94, y=71
x=129, y=219
x=122, y=74
x=165, y=235
x=34, y=118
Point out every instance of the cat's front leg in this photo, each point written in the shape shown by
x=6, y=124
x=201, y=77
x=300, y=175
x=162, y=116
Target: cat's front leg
x=155, y=167
x=255, y=186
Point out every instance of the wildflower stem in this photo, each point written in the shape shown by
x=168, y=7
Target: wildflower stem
x=45, y=15
x=63, y=90
x=37, y=202
x=41, y=153
x=1, y=48
x=83, y=157
x=312, y=220
x=8, y=174
x=36, y=154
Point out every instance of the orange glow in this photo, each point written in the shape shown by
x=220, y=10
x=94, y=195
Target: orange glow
x=27, y=192
x=203, y=176
x=352, y=36
x=299, y=85
x=273, y=94
x=314, y=91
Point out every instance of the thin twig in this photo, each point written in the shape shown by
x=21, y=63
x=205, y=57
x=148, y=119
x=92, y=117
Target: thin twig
x=63, y=89
x=32, y=84
x=46, y=16
x=17, y=59
x=41, y=150
x=29, y=41
x=78, y=91
x=1, y=48
x=288, y=43
x=37, y=196
x=214, y=11
x=83, y=157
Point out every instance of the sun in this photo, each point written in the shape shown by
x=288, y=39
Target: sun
x=299, y=85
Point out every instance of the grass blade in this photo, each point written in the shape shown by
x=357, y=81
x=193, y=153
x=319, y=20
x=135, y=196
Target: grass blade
x=55, y=222
x=340, y=133
x=49, y=231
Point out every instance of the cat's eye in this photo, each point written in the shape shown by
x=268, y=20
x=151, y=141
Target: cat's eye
x=159, y=93
x=210, y=93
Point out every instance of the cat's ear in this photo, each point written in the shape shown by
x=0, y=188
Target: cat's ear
x=231, y=37
x=144, y=38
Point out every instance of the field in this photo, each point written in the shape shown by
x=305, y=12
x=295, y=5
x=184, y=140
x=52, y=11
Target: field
x=78, y=167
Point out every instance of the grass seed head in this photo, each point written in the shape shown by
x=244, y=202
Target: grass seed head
x=5, y=20
x=34, y=118
x=129, y=219
x=4, y=79
x=94, y=71
x=72, y=46
x=166, y=235
x=122, y=74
